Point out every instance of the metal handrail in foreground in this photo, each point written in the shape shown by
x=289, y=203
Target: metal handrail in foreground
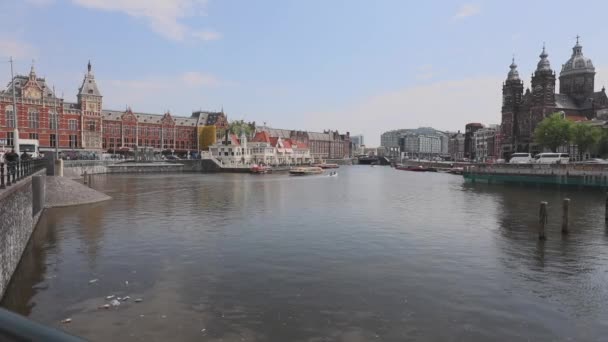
x=12, y=172
x=16, y=328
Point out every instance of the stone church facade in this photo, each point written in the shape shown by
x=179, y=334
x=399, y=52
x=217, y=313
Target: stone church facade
x=522, y=110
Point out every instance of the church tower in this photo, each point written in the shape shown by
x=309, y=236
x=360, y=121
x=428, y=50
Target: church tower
x=577, y=76
x=512, y=92
x=543, y=83
x=89, y=102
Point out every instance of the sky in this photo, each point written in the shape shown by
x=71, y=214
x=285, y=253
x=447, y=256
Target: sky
x=357, y=66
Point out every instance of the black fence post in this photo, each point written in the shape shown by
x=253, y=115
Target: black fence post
x=2, y=186
x=14, y=171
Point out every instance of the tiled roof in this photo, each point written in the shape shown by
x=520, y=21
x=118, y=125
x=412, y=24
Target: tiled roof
x=234, y=140
x=116, y=115
x=563, y=101
x=286, y=133
x=21, y=80
x=89, y=86
x=208, y=118
x=261, y=137
x=576, y=118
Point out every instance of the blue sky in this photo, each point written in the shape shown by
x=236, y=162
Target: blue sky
x=358, y=66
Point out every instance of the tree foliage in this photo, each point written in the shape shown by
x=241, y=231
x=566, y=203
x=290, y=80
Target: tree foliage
x=602, y=145
x=553, y=132
x=585, y=137
x=240, y=126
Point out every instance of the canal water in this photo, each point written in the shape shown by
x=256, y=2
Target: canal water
x=374, y=254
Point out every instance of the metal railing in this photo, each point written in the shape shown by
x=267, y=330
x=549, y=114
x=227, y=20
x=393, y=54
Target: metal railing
x=12, y=172
x=15, y=328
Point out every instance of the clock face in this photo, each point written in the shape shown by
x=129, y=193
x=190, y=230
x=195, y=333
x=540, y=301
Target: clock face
x=33, y=93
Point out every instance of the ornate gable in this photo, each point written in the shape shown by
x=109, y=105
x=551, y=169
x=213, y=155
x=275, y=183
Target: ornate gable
x=128, y=116
x=167, y=119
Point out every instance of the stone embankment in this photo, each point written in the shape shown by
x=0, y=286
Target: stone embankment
x=63, y=192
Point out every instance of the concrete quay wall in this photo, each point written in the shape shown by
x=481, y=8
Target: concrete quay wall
x=144, y=167
x=20, y=207
x=76, y=168
x=564, y=174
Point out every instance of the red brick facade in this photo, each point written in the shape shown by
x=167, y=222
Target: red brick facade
x=85, y=126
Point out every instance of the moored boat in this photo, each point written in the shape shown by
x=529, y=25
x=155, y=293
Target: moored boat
x=260, y=169
x=418, y=168
x=327, y=166
x=456, y=170
x=306, y=171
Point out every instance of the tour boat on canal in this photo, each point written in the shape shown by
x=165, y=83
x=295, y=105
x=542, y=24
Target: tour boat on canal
x=327, y=166
x=306, y=171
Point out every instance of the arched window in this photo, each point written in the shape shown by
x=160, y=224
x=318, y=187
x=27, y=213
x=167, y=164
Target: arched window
x=53, y=119
x=10, y=116
x=33, y=118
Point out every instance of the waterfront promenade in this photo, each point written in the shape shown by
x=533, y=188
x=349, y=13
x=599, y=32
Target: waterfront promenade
x=373, y=254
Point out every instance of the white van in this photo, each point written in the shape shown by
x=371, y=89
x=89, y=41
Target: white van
x=30, y=146
x=521, y=158
x=552, y=158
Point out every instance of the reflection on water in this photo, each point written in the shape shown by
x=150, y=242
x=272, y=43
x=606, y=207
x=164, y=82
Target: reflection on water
x=373, y=254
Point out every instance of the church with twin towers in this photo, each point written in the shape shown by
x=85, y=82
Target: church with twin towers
x=523, y=109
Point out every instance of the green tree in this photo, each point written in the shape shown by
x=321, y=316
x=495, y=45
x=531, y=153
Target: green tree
x=553, y=132
x=240, y=126
x=602, y=145
x=585, y=137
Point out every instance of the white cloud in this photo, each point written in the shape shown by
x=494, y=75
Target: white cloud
x=444, y=105
x=17, y=49
x=467, y=10
x=207, y=35
x=163, y=16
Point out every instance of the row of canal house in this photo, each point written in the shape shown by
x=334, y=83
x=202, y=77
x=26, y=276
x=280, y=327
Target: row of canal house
x=262, y=149
x=282, y=147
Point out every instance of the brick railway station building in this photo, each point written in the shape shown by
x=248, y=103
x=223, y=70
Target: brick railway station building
x=86, y=126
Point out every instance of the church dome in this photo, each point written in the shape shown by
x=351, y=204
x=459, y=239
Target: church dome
x=513, y=73
x=577, y=64
x=543, y=64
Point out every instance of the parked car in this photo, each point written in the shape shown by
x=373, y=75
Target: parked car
x=521, y=158
x=552, y=158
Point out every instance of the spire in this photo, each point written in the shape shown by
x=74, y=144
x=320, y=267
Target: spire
x=513, y=73
x=32, y=71
x=543, y=64
x=577, y=50
x=89, y=86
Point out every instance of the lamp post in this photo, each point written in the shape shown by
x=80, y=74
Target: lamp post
x=56, y=126
x=15, y=114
